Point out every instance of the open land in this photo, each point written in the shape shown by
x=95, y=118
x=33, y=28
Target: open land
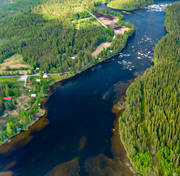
x=112, y=22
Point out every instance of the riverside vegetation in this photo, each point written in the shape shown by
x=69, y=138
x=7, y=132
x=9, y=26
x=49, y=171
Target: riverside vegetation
x=150, y=124
x=23, y=110
x=53, y=39
x=128, y=4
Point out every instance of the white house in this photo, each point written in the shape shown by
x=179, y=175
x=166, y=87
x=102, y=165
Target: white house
x=33, y=95
x=38, y=80
x=73, y=57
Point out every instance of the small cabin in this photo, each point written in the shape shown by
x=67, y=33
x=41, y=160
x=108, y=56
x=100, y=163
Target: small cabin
x=38, y=80
x=33, y=95
x=73, y=57
x=7, y=99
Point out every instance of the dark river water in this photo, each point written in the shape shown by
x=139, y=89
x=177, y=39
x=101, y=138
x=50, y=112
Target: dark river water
x=77, y=140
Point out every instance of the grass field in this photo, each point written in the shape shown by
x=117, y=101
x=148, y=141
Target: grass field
x=128, y=4
x=14, y=64
x=64, y=8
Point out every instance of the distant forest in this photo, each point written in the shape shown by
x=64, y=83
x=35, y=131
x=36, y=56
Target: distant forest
x=150, y=125
x=50, y=42
x=129, y=4
x=54, y=35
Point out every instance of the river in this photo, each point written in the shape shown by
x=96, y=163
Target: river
x=77, y=140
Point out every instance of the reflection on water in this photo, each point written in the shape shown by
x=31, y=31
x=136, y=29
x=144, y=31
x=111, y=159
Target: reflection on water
x=77, y=139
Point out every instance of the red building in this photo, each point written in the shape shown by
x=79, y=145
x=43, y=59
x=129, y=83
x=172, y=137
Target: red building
x=7, y=99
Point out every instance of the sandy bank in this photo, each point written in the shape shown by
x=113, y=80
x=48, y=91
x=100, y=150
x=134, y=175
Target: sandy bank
x=100, y=48
x=108, y=20
x=121, y=30
x=112, y=22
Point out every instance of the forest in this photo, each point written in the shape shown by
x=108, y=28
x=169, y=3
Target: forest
x=47, y=40
x=51, y=43
x=23, y=110
x=150, y=124
x=12, y=7
x=129, y=4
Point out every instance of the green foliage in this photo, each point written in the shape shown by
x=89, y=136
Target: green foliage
x=50, y=44
x=172, y=21
x=7, y=89
x=46, y=40
x=12, y=7
x=66, y=8
x=169, y=46
x=150, y=124
x=129, y=4
x=143, y=160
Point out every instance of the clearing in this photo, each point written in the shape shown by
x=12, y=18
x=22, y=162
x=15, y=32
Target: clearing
x=14, y=64
x=121, y=30
x=102, y=46
x=112, y=21
x=108, y=20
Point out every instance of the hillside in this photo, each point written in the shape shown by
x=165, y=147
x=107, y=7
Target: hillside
x=63, y=8
x=150, y=125
x=47, y=40
x=52, y=37
x=129, y=4
x=12, y=7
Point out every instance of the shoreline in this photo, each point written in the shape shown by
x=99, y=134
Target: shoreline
x=33, y=127
x=118, y=111
x=71, y=76
x=36, y=126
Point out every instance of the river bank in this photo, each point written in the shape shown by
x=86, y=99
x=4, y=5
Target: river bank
x=40, y=124
x=118, y=148
x=108, y=53
x=148, y=149
x=80, y=114
x=17, y=140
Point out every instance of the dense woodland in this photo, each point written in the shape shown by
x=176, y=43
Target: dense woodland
x=129, y=4
x=7, y=89
x=51, y=43
x=12, y=7
x=55, y=44
x=150, y=125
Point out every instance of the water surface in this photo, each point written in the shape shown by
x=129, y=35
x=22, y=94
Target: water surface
x=77, y=140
